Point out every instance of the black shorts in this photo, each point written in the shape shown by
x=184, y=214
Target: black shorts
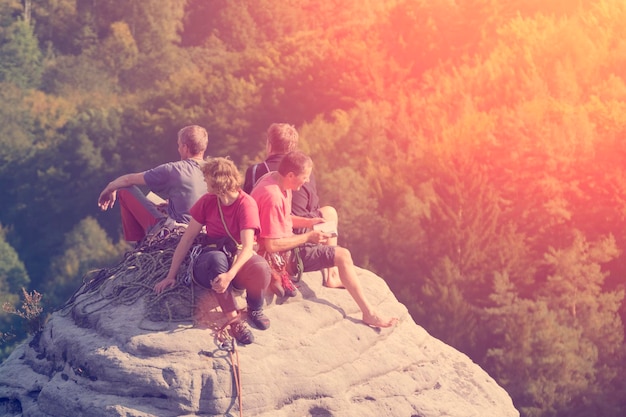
x=316, y=257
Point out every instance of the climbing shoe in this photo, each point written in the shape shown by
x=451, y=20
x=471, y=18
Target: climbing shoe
x=240, y=332
x=259, y=319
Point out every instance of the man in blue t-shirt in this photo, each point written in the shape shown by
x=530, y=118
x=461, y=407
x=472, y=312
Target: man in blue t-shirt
x=180, y=183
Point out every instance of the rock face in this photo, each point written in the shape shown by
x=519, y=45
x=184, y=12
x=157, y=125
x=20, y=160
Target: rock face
x=117, y=350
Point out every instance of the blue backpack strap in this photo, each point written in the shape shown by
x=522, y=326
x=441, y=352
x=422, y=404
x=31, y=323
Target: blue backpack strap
x=254, y=170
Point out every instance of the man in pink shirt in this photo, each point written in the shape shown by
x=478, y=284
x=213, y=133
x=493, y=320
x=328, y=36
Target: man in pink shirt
x=273, y=196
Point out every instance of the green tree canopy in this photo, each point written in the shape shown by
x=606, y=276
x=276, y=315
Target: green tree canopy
x=86, y=247
x=13, y=277
x=21, y=62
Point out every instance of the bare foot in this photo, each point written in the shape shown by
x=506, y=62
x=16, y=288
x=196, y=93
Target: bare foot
x=375, y=321
x=331, y=278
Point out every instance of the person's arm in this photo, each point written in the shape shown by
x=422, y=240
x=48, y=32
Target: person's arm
x=286, y=243
x=305, y=222
x=247, y=242
x=107, y=197
x=179, y=255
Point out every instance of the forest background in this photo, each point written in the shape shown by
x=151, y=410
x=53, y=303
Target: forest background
x=475, y=151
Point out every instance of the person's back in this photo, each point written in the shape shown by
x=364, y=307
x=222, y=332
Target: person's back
x=180, y=183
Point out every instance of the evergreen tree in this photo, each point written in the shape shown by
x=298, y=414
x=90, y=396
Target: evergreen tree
x=13, y=277
x=561, y=350
x=21, y=59
x=86, y=247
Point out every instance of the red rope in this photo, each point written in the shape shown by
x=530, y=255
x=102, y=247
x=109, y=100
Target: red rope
x=226, y=340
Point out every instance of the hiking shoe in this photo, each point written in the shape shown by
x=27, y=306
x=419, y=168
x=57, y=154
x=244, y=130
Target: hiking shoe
x=259, y=319
x=240, y=332
x=290, y=290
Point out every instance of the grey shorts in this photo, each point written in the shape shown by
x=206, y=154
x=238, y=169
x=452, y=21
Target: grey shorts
x=315, y=257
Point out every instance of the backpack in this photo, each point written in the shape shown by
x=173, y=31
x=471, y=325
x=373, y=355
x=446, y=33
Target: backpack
x=256, y=179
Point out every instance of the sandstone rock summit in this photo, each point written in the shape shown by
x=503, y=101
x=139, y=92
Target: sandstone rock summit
x=116, y=349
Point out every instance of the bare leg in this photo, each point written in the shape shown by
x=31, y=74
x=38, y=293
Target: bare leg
x=347, y=273
x=331, y=275
x=331, y=278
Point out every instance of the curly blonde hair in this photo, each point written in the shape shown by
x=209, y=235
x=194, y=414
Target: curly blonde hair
x=221, y=175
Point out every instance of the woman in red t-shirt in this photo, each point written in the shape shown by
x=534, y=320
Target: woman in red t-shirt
x=226, y=212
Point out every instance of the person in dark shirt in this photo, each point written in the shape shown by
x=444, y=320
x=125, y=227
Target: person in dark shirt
x=282, y=138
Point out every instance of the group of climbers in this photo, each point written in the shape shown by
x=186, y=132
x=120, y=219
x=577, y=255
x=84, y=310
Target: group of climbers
x=269, y=223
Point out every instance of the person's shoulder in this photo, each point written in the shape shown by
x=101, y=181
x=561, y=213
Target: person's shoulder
x=168, y=166
x=180, y=162
x=274, y=159
x=263, y=183
x=243, y=196
x=158, y=174
x=256, y=191
x=187, y=168
x=186, y=164
x=206, y=199
x=262, y=190
x=246, y=199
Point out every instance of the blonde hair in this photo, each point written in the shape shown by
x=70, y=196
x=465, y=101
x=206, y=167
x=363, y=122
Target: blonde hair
x=221, y=175
x=195, y=137
x=282, y=137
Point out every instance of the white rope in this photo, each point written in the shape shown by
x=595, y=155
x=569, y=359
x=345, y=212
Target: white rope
x=195, y=252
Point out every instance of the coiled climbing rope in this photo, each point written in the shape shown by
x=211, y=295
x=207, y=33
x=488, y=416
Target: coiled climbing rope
x=134, y=278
